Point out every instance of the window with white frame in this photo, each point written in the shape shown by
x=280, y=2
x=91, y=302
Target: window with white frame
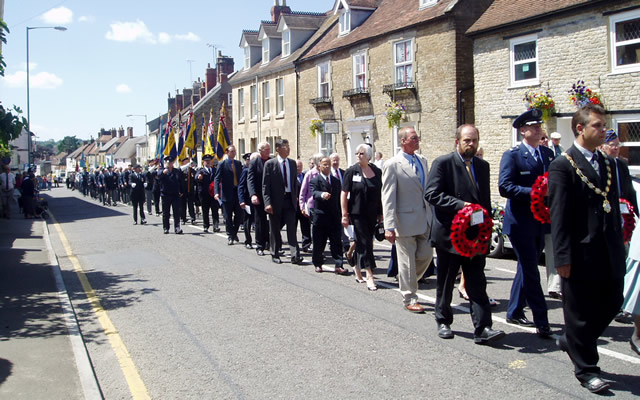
x=403, y=57
x=323, y=80
x=265, y=99
x=230, y=99
x=240, y=104
x=247, y=57
x=286, y=43
x=524, y=60
x=265, y=50
x=325, y=143
x=280, y=96
x=254, y=101
x=345, y=22
x=628, y=128
x=360, y=70
x=625, y=41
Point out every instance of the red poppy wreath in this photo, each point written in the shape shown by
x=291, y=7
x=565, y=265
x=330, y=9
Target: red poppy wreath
x=538, y=193
x=629, y=222
x=470, y=247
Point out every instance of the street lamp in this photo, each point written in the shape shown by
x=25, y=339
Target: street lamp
x=58, y=28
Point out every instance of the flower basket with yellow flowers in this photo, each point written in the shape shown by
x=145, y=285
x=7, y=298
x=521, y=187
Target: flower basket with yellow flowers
x=542, y=101
x=316, y=126
x=395, y=113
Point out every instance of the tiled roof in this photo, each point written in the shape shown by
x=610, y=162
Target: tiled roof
x=363, y=3
x=390, y=16
x=251, y=37
x=302, y=21
x=111, y=149
x=506, y=12
x=270, y=29
x=128, y=148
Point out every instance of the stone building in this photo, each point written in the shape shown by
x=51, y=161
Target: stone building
x=265, y=92
x=413, y=52
x=550, y=47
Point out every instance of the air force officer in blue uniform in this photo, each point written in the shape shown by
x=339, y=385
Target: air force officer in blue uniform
x=519, y=168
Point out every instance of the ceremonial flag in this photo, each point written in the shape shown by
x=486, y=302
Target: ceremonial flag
x=209, y=147
x=180, y=135
x=83, y=162
x=204, y=133
x=170, y=144
x=159, y=141
x=190, y=141
x=223, y=137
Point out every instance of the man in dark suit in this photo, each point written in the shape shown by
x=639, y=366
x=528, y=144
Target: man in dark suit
x=187, y=202
x=326, y=217
x=338, y=172
x=254, y=184
x=519, y=168
x=170, y=184
x=305, y=222
x=611, y=147
x=204, y=178
x=226, y=189
x=455, y=181
x=587, y=242
x=245, y=201
x=136, y=184
x=149, y=177
x=279, y=191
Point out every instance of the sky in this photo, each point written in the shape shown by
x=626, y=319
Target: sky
x=118, y=57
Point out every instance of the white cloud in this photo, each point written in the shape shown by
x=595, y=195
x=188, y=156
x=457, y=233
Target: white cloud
x=87, y=18
x=41, y=80
x=191, y=37
x=130, y=32
x=123, y=88
x=58, y=16
x=164, y=38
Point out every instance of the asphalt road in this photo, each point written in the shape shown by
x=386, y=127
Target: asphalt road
x=200, y=320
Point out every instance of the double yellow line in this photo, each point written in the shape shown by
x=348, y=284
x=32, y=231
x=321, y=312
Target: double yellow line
x=136, y=385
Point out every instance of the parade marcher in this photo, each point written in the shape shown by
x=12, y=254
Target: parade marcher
x=338, y=172
x=611, y=147
x=226, y=189
x=588, y=243
x=304, y=221
x=254, y=184
x=204, y=178
x=325, y=219
x=407, y=215
x=519, y=168
x=456, y=180
x=189, y=185
x=137, y=181
x=245, y=200
x=85, y=182
x=170, y=184
x=111, y=185
x=280, y=194
x=150, y=177
x=156, y=189
x=305, y=198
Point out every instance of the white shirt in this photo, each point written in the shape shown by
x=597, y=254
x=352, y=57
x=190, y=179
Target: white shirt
x=3, y=182
x=588, y=155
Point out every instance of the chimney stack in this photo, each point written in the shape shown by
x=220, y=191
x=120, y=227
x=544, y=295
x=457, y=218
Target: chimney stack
x=278, y=9
x=186, y=95
x=210, y=78
x=179, y=102
x=225, y=67
x=130, y=131
x=120, y=132
x=203, y=90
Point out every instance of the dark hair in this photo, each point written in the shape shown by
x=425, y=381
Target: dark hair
x=583, y=115
x=461, y=127
x=281, y=142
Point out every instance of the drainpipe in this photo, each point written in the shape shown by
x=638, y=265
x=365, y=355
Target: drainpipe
x=460, y=102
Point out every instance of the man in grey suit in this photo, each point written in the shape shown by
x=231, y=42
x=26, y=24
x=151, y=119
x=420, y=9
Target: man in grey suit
x=407, y=215
x=280, y=194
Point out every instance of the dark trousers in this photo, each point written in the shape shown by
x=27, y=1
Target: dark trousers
x=148, y=195
x=476, y=285
x=322, y=231
x=232, y=217
x=187, y=202
x=246, y=224
x=170, y=202
x=207, y=202
x=364, y=228
x=156, y=201
x=262, y=227
x=276, y=221
x=138, y=203
x=526, y=287
x=589, y=307
x=305, y=229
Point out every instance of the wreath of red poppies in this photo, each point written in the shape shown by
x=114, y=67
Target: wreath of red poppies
x=628, y=222
x=538, y=193
x=465, y=246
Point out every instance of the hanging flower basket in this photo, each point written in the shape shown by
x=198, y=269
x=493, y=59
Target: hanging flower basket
x=542, y=101
x=316, y=127
x=538, y=193
x=395, y=113
x=470, y=247
x=580, y=95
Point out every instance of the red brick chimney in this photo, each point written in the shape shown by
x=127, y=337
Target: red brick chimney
x=203, y=89
x=179, y=102
x=120, y=132
x=171, y=103
x=225, y=67
x=278, y=9
x=210, y=78
x=130, y=131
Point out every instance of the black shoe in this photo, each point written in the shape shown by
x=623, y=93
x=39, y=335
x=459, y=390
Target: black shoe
x=297, y=260
x=260, y=252
x=166, y=231
x=555, y=295
x=143, y=222
x=595, y=385
x=229, y=241
x=544, y=332
x=306, y=249
x=216, y=229
x=135, y=222
x=561, y=343
x=248, y=246
x=487, y=336
x=522, y=321
x=444, y=331
x=178, y=231
x=193, y=221
x=276, y=260
x=206, y=230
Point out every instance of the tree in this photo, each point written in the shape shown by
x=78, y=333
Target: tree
x=68, y=144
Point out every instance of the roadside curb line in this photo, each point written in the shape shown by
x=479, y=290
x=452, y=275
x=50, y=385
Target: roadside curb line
x=86, y=374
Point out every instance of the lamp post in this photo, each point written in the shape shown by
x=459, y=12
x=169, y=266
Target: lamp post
x=146, y=127
x=58, y=28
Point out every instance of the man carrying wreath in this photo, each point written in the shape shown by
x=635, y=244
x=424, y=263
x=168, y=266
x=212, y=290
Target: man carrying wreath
x=455, y=181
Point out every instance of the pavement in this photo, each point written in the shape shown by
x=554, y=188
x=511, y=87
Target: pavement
x=42, y=354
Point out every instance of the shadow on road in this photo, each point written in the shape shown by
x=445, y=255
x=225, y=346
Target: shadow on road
x=66, y=209
x=5, y=369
